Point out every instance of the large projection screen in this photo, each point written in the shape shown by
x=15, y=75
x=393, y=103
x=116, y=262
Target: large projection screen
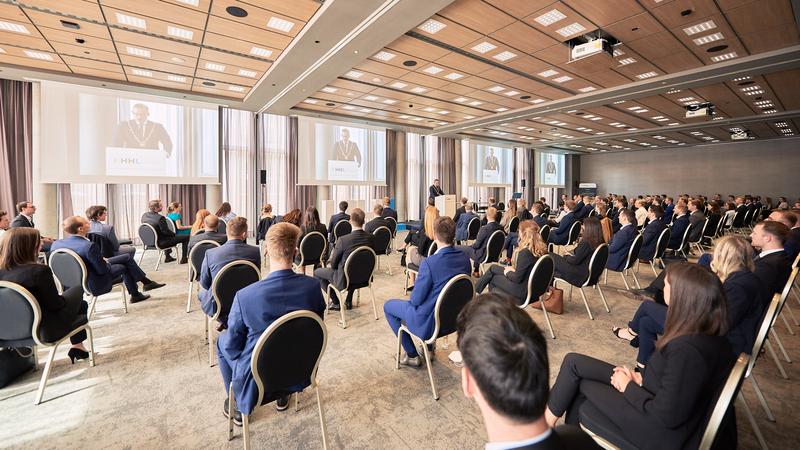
x=490, y=165
x=550, y=169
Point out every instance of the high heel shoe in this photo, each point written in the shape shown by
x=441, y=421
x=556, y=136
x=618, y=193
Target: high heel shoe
x=76, y=353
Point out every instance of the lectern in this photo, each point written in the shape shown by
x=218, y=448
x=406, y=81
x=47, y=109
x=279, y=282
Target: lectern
x=446, y=204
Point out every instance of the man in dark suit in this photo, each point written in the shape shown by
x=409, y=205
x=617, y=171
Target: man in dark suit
x=522, y=211
x=579, y=204
x=254, y=309
x=209, y=232
x=336, y=218
x=343, y=248
x=434, y=272
x=435, y=189
x=669, y=209
x=560, y=235
x=24, y=219
x=696, y=218
x=462, y=226
x=216, y=258
x=377, y=221
x=679, y=225
x=511, y=388
x=586, y=209
x=166, y=237
x=101, y=271
x=460, y=210
x=772, y=264
x=621, y=242
x=792, y=243
x=651, y=233
x=537, y=209
x=140, y=132
x=545, y=206
x=97, y=215
x=387, y=211
x=477, y=250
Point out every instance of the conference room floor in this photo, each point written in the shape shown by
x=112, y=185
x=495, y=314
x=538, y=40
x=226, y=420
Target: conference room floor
x=152, y=386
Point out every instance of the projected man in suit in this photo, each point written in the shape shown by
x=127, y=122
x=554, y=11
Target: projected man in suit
x=139, y=132
x=491, y=162
x=550, y=166
x=345, y=149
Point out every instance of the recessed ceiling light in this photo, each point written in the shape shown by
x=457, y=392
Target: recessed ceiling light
x=642, y=76
x=626, y=61
x=673, y=91
x=571, y=29
x=247, y=73
x=460, y=99
x=511, y=93
x=2, y=50
x=469, y=117
x=371, y=98
x=444, y=112
x=39, y=55
x=740, y=79
x=194, y=3
x=619, y=102
x=176, y=78
x=432, y=26
x=389, y=101
x=504, y=56
x=262, y=52
x=501, y=109
x=417, y=119
x=384, y=56
x=329, y=89
x=587, y=89
x=453, y=76
x=750, y=88
x=180, y=32
x=536, y=101
x=136, y=22
x=550, y=17
x=280, y=24
x=634, y=108
x=756, y=92
x=433, y=70
x=398, y=85
x=142, y=73
x=724, y=57
x=673, y=124
x=310, y=101
x=700, y=27
x=484, y=47
x=135, y=51
x=496, y=88
x=177, y=60
x=365, y=110
x=419, y=90
x=354, y=74
x=404, y=116
x=236, y=88
x=639, y=111
x=548, y=73
x=562, y=79
x=15, y=27
x=349, y=107
x=429, y=109
x=215, y=67
x=475, y=103
x=709, y=38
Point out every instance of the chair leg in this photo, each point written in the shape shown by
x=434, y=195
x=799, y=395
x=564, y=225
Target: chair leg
x=399, y=346
x=624, y=279
x=91, y=306
x=246, y=431
x=35, y=357
x=189, y=297
x=158, y=260
x=761, y=398
x=205, y=330
x=430, y=371
x=780, y=345
x=653, y=266
x=777, y=361
x=374, y=308
x=547, y=318
x=636, y=279
x=342, y=307
x=45, y=375
x=388, y=265
x=141, y=257
x=783, y=316
x=606, y=271
x=90, y=338
x=753, y=424
x=603, y=298
x=296, y=401
x=124, y=299
x=322, y=424
x=586, y=303
x=210, y=343
x=230, y=411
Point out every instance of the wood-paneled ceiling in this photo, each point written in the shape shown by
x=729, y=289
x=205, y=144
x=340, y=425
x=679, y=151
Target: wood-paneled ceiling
x=477, y=58
x=213, y=47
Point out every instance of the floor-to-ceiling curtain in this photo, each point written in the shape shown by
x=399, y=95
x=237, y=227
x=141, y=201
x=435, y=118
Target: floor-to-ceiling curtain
x=16, y=143
x=300, y=197
x=238, y=163
x=273, y=158
x=416, y=188
x=447, y=164
x=523, y=170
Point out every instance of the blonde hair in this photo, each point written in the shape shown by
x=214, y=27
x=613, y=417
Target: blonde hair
x=529, y=238
x=431, y=213
x=281, y=240
x=198, y=220
x=732, y=254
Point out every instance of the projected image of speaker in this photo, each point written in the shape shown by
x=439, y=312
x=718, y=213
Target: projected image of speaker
x=550, y=170
x=490, y=165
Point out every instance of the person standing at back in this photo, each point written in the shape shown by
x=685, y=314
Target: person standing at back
x=387, y=211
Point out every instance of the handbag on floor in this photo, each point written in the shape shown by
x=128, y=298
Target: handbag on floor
x=554, y=303
x=14, y=363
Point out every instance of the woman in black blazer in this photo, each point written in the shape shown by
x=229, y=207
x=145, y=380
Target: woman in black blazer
x=513, y=281
x=574, y=269
x=19, y=251
x=666, y=405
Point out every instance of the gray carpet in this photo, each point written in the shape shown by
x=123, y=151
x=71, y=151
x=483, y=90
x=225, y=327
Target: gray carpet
x=152, y=386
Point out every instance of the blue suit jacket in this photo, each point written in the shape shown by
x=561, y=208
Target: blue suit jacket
x=584, y=212
x=619, y=246
x=462, y=232
x=215, y=259
x=561, y=234
x=679, y=226
x=541, y=221
x=650, y=238
x=434, y=272
x=99, y=277
x=668, y=210
x=254, y=309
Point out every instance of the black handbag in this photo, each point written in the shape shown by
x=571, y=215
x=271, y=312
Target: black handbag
x=15, y=362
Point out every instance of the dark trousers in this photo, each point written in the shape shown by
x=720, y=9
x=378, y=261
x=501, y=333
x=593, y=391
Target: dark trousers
x=511, y=241
x=325, y=276
x=498, y=282
x=472, y=254
x=131, y=272
x=648, y=323
x=182, y=239
x=74, y=302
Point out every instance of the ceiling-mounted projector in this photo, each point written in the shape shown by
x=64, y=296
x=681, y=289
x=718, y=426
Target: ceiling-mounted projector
x=591, y=48
x=699, y=110
x=740, y=135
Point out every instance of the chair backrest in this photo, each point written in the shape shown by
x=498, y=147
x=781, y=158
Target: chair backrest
x=663, y=241
x=633, y=252
x=312, y=247
x=501, y=206
x=20, y=314
x=359, y=267
x=196, y=256
x=103, y=243
x=738, y=218
x=702, y=232
x=494, y=247
x=342, y=228
x=473, y=227
x=720, y=226
x=785, y=292
x=747, y=215
x=69, y=269
x=597, y=264
x=755, y=216
x=544, y=232
x=592, y=213
x=513, y=224
x=288, y=353
x=171, y=225
x=685, y=238
x=539, y=279
x=229, y=280
x=574, y=233
x=763, y=329
x=432, y=249
x=710, y=230
x=392, y=225
x=458, y=291
x=222, y=226
x=382, y=239
x=728, y=392
x=148, y=235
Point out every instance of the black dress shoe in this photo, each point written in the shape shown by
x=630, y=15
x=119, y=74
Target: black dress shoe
x=152, y=285
x=348, y=305
x=237, y=416
x=169, y=259
x=282, y=403
x=139, y=297
x=183, y=261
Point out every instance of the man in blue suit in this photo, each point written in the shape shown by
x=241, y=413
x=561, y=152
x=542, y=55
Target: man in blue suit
x=537, y=209
x=216, y=258
x=588, y=207
x=254, y=309
x=102, y=272
x=621, y=242
x=679, y=225
x=462, y=224
x=97, y=215
x=651, y=233
x=560, y=235
x=669, y=209
x=434, y=272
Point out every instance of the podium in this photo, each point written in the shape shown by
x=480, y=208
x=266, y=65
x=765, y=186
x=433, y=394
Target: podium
x=446, y=204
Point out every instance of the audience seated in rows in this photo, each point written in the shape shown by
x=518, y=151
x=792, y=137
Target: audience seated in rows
x=294, y=217
x=574, y=268
x=97, y=215
x=236, y=248
x=477, y=251
x=225, y=212
x=545, y=207
x=336, y=218
x=377, y=220
x=60, y=313
x=511, y=211
x=605, y=223
x=460, y=210
x=669, y=209
x=387, y=211
x=174, y=214
x=539, y=214
x=772, y=263
x=311, y=222
x=462, y=224
x=586, y=206
x=651, y=233
x=208, y=232
x=792, y=243
x=522, y=210
x=341, y=250
x=560, y=235
x=696, y=219
x=101, y=272
x=513, y=280
x=434, y=272
x=199, y=221
x=164, y=234
x=24, y=219
x=640, y=212
x=679, y=225
x=254, y=309
x=620, y=244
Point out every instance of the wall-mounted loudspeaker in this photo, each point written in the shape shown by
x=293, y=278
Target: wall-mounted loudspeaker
x=263, y=177
x=523, y=183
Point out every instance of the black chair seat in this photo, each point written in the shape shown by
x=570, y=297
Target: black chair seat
x=413, y=267
x=591, y=418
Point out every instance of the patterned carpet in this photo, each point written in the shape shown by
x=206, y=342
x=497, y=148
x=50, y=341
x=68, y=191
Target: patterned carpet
x=152, y=386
